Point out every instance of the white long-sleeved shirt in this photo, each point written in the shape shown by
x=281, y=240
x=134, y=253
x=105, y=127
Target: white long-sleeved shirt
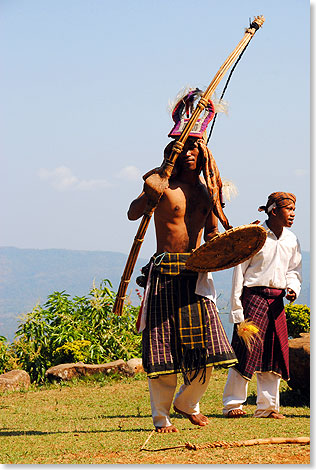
x=205, y=286
x=277, y=265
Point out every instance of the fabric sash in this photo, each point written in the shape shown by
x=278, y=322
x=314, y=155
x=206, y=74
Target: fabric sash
x=183, y=331
x=270, y=353
x=190, y=318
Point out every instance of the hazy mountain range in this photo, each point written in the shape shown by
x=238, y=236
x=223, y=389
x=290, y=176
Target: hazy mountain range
x=28, y=276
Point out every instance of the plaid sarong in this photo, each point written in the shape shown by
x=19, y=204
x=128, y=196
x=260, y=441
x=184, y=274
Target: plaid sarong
x=183, y=331
x=270, y=353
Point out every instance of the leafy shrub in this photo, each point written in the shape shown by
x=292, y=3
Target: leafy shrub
x=298, y=319
x=75, y=351
x=3, y=354
x=7, y=359
x=82, y=328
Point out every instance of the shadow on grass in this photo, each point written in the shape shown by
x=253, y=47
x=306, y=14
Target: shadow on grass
x=116, y=416
x=208, y=415
x=47, y=433
x=288, y=398
x=91, y=418
x=294, y=398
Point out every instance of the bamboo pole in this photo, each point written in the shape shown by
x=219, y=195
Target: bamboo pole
x=130, y=264
x=156, y=183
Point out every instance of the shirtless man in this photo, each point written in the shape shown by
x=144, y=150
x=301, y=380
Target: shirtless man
x=181, y=329
x=184, y=209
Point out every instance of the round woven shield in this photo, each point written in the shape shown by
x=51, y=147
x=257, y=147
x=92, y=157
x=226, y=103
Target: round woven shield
x=228, y=249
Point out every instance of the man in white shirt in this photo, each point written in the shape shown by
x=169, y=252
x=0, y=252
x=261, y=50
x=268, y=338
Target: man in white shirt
x=259, y=285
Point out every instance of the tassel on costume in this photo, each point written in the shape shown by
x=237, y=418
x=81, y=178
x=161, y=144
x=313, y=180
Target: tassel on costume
x=248, y=331
x=193, y=360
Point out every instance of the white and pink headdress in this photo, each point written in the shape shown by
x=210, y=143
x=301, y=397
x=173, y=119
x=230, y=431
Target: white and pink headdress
x=182, y=110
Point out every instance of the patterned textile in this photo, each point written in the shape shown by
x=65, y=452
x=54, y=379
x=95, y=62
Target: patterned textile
x=183, y=331
x=278, y=199
x=171, y=263
x=270, y=353
x=181, y=114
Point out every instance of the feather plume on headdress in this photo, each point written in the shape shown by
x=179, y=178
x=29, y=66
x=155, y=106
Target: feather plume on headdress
x=180, y=95
x=220, y=106
x=229, y=189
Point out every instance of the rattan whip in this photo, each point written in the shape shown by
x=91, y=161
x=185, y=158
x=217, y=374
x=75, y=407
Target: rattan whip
x=301, y=440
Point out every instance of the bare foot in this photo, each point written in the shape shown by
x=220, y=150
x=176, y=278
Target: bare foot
x=198, y=419
x=165, y=429
x=275, y=415
x=237, y=413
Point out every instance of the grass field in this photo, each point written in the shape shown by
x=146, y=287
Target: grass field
x=107, y=421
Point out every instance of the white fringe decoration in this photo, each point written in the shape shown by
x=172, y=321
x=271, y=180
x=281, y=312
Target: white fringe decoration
x=229, y=189
x=220, y=106
x=181, y=94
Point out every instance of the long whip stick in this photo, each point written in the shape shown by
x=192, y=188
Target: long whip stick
x=157, y=182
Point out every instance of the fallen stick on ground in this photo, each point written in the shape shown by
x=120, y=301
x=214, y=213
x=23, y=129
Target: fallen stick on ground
x=152, y=432
x=250, y=442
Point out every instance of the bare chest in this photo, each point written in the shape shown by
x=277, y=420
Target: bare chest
x=185, y=202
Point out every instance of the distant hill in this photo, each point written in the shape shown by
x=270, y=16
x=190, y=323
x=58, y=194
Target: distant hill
x=28, y=276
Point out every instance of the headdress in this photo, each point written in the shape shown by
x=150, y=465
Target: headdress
x=182, y=110
x=181, y=114
x=277, y=199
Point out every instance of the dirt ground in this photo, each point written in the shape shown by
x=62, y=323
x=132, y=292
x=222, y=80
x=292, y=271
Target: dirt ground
x=281, y=454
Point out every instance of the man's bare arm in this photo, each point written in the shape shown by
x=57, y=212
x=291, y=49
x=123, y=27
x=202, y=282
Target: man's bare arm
x=137, y=207
x=211, y=226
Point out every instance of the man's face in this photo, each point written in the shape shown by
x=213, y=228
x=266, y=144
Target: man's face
x=286, y=214
x=188, y=158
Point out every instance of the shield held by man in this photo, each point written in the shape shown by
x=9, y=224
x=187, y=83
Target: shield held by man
x=228, y=249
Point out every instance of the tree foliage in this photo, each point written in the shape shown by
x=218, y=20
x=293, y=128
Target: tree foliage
x=7, y=357
x=298, y=319
x=79, y=329
x=85, y=329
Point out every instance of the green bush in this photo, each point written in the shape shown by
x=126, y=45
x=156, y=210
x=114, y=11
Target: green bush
x=83, y=328
x=298, y=319
x=75, y=351
x=3, y=354
x=7, y=358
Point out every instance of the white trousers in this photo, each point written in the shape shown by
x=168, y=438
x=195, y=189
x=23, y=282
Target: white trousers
x=268, y=397
x=187, y=399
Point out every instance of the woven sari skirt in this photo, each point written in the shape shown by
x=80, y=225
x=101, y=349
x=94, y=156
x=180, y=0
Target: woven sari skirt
x=270, y=352
x=183, y=330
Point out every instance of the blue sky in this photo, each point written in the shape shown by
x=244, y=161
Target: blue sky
x=85, y=87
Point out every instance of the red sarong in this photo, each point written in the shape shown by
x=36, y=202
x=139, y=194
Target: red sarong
x=270, y=352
